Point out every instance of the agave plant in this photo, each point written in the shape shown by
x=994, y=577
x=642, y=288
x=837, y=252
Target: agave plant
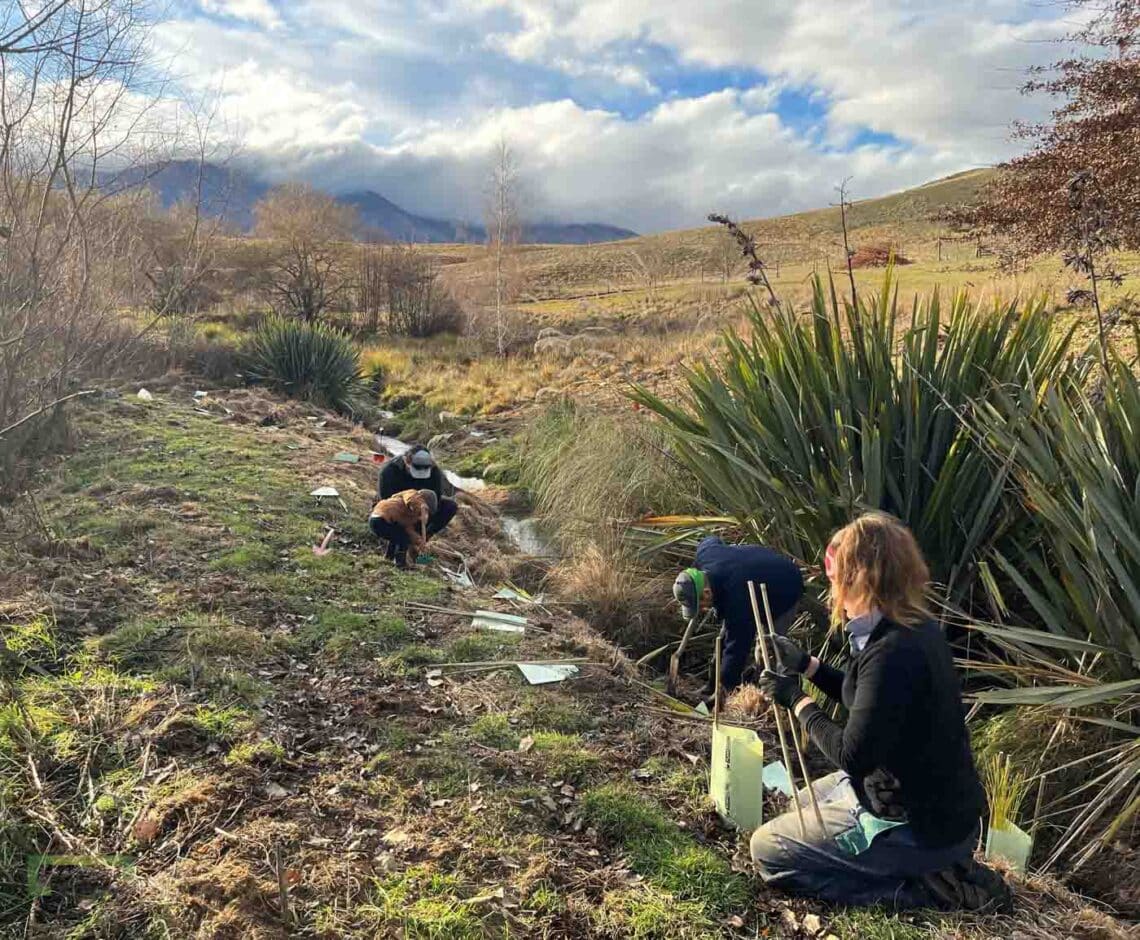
x=307, y=360
x=809, y=420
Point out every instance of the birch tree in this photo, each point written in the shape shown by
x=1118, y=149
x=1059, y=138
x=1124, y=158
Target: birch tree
x=503, y=230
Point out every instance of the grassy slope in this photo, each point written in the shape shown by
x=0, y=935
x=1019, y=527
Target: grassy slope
x=252, y=729
x=564, y=284
x=662, y=299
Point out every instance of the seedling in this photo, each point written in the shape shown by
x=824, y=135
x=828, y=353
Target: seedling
x=1006, y=787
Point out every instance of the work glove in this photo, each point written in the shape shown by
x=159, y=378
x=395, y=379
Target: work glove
x=791, y=657
x=783, y=690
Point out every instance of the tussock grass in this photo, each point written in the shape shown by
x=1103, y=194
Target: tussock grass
x=1006, y=787
x=591, y=475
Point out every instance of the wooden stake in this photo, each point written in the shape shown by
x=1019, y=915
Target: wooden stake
x=776, y=712
x=795, y=737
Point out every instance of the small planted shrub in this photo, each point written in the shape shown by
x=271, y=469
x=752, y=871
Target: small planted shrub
x=307, y=360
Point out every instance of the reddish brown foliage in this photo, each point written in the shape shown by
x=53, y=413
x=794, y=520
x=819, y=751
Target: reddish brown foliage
x=1094, y=130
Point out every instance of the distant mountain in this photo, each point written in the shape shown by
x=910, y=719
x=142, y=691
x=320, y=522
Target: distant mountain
x=379, y=213
x=385, y=216
x=232, y=194
x=226, y=191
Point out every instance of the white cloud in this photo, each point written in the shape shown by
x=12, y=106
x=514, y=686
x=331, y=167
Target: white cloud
x=257, y=12
x=608, y=101
x=709, y=153
x=925, y=71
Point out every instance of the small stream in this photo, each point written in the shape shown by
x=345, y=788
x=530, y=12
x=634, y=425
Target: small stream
x=523, y=532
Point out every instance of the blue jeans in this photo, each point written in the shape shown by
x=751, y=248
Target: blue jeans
x=821, y=864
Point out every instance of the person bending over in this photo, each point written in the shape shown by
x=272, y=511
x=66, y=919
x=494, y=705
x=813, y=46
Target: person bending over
x=902, y=810
x=719, y=580
x=402, y=519
x=418, y=470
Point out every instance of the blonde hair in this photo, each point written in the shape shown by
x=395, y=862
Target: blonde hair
x=876, y=561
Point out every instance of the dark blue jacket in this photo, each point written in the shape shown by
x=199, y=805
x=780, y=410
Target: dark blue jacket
x=729, y=569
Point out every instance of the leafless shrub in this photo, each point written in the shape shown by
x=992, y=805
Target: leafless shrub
x=307, y=271
x=69, y=250
x=418, y=303
x=371, y=292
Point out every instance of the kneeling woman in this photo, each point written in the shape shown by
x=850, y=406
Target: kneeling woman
x=902, y=812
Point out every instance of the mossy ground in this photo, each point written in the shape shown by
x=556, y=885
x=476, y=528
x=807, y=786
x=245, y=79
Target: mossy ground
x=214, y=687
x=243, y=739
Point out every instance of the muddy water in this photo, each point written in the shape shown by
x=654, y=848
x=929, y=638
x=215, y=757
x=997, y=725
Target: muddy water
x=524, y=533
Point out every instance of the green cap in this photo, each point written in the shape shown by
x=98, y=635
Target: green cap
x=688, y=588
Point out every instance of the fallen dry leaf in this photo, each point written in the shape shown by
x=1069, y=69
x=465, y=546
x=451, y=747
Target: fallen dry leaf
x=147, y=829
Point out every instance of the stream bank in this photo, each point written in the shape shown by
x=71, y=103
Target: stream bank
x=523, y=531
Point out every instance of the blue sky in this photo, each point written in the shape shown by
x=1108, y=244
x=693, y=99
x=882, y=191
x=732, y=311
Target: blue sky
x=645, y=113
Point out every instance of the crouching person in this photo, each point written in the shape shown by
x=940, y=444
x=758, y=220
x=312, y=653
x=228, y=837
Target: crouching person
x=417, y=470
x=402, y=520
x=902, y=810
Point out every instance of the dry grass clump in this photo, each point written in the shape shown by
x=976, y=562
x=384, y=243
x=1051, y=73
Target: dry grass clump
x=746, y=702
x=628, y=604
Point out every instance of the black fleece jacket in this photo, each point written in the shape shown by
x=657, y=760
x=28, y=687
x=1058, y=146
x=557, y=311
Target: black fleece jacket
x=905, y=716
x=394, y=478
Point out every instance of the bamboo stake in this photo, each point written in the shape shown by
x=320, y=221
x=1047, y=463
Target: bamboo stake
x=795, y=737
x=716, y=682
x=776, y=713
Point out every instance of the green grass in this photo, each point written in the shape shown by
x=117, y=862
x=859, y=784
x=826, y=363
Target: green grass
x=208, y=651
x=346, y=634
x=541, y=711
x=411, y=658
x=676, y=781
x=256, y=752
x=875, y=924
x=481, y=647
x=563, y=755
x=499, y=463
x=495, y=731
x=256, y=556
x=224, y=724
x=657, y=849
x=421, y=904
x=647, y=913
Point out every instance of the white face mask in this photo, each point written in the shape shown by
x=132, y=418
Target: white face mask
x=859, y=629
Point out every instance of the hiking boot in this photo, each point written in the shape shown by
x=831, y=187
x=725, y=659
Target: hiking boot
x=968, y=886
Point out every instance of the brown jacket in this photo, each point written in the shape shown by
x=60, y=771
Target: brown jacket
x=408, y=510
